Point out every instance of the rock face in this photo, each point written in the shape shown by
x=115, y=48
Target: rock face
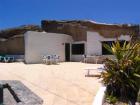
x=13, y=45
x=12, y=40
x=18, y=31
x=78, y=28
x=73, y=28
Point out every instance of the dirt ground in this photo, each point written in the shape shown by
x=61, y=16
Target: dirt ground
x=63, y=84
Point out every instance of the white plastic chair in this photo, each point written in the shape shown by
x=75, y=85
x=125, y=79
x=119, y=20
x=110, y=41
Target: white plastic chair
x=44, y=58
x=85, y=58
x=6, y=59
x=56, y=59
x=49, y=59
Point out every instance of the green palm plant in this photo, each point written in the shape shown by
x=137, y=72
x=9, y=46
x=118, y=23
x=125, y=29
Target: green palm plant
x=122, y=75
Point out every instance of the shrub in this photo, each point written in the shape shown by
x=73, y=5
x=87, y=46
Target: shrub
x=122, y=75
x=138, y=98
x=111, y=99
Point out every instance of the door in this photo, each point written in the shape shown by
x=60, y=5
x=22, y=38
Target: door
x=67, y=51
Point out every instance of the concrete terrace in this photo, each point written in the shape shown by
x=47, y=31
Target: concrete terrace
x=63, y=84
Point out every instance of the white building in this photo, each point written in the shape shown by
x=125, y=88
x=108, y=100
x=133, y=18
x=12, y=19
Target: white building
x=38, y=44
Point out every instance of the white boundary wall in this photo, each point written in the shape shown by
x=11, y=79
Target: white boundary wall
x=38, y=44
x=94, y=39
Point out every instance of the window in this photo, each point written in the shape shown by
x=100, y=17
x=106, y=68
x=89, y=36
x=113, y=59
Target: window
x=105, y=51
x=122, y=42
x=78, y=49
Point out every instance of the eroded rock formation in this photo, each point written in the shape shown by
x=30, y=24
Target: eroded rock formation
x=12, y=40
x=78, y=28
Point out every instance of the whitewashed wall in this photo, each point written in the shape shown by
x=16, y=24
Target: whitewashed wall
x=94, y=46
x=38, y=44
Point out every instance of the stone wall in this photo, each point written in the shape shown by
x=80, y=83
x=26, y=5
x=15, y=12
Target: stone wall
x=13, y=45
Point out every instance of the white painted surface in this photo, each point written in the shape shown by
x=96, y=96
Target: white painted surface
x=76, y=58
x=99, y=98
x=94, y=39
x=38, y=44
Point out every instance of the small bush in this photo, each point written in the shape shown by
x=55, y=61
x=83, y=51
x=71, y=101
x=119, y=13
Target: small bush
x=138, y=98
x=122, y=75
x=111, y=99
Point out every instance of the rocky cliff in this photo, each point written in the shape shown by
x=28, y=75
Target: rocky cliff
x=78, y=28
x=12, y=40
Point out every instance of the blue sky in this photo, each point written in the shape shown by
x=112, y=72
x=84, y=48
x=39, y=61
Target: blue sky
x=21, y=12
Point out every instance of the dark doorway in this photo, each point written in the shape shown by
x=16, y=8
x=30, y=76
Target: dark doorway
x=67, y=51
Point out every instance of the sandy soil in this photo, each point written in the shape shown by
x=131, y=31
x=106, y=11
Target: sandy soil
x=63, y=84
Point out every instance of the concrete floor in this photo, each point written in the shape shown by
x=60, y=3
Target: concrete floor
x=63, y=84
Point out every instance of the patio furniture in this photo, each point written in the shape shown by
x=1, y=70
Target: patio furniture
x=8, y=59
x=44, y=58
x=88, y=74
x=55, y=59
x=50, y=59
x=98, y=74
x=2, y=57
x=97, y=59
x=85, y=58
x=12, y=59
x=92, y=59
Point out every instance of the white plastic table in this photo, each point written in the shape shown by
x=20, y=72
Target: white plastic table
x=99, y=70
